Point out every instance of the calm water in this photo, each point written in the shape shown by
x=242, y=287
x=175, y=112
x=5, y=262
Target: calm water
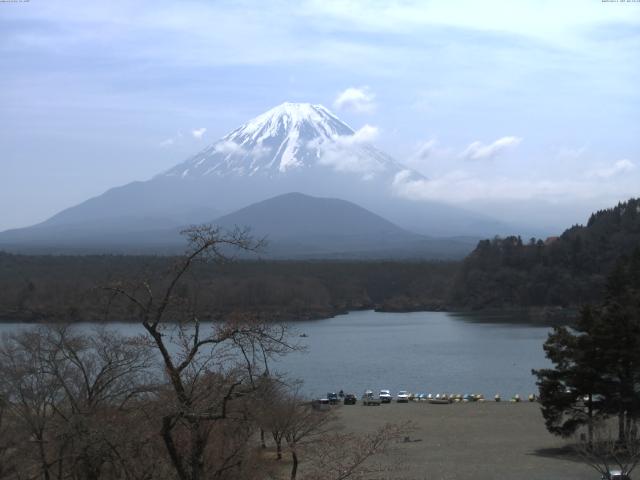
x=420, y=352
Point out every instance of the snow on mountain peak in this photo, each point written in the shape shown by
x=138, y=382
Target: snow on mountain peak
x=293, y=117
x=289, y=137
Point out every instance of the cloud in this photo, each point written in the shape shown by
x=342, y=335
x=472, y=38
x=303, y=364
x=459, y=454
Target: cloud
x=166, y=28
x=351, y=162
x=558, y=23
x=568, y=153
x=259, y=151
x=429, y=155
x=359, y=100
x=169, y=142
x=198, y=132
x=621, y=166
x=343, y=155
x=461, y=187
x=480, y=151
x=365, y=134
x=228, y=147
x=425, y=150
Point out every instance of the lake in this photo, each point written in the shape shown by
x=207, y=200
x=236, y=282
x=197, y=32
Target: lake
x=421, y=352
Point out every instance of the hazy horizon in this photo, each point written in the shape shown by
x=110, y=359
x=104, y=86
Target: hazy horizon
x=525, y=112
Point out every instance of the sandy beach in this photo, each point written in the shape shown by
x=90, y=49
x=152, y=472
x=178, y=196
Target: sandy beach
x=480, y=441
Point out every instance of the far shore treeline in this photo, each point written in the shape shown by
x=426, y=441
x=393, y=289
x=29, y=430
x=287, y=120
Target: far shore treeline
x=502, y=273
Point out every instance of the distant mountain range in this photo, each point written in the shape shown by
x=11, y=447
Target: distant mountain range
x=294, y=147
x=294, y=225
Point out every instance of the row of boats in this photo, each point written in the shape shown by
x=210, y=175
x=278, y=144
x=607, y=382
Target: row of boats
x=443, y=398
x=439, y=398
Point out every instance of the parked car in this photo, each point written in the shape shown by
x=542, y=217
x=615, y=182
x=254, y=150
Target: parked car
x=333, y=398
x=350, y=399
x=320, y=404
x=369, y=398
x=385, y=396
x=402, y=397
x=616, y=475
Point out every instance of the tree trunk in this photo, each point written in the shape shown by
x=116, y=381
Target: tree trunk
x=294, y=465
x=621, y=430
x=176, y=458
x=590, y=424
x=91, y=472
x=43, y=458
x=278, y=440
x=198, y=444
x=262, y=442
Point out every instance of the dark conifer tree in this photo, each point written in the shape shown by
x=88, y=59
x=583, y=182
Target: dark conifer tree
x=596, y=369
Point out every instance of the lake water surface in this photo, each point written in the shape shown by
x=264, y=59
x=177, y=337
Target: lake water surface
x=421, y=352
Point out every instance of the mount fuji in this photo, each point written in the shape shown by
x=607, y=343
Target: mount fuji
x=294, y=147
x=291, y=138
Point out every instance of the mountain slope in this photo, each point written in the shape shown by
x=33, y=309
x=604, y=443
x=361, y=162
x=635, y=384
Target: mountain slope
x=299, y=215
x=300, y=226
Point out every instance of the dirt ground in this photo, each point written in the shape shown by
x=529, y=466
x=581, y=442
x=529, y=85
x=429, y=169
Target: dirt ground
x=480, y=441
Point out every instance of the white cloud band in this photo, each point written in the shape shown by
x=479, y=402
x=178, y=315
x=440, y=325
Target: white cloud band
x=480, y=151
x=359, y=100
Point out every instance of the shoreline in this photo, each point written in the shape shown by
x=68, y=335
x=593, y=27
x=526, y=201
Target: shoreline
x=543, y=316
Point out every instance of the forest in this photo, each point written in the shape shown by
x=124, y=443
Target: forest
x=70, y=288
x=561, y=272
x=564, y=271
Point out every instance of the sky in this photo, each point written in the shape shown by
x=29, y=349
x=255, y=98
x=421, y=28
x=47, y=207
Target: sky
x=528, y=110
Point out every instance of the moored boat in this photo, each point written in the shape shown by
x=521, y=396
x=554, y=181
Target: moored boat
x=440, y=399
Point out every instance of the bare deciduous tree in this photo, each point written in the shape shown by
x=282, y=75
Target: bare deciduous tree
x=184, y=400
x=305, y=426
x=30, y=395
x=68, y=395
x=345, y=456
x=7, y=441
x=99, y=376
x=208, y=366
x=605, y=453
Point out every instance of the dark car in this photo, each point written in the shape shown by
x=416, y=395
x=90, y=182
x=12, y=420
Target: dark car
x=350, y=399
x=333, y=398
x=320, y=404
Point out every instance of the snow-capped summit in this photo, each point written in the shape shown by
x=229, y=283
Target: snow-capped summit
x=289, y=137
x=293, y=117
